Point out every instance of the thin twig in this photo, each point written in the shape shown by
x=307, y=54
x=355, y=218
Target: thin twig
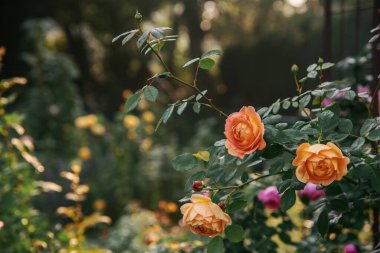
x=242, y=185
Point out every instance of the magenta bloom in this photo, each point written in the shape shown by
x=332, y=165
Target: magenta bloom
x=329, y=101
x=364, y=90
x=350, y=248
x=270, y=198
x=311, y=192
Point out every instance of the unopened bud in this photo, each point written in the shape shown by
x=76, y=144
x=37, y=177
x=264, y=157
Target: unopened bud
x=198, y=186
x=320, y=61
x=138, y=16
x=294, y=68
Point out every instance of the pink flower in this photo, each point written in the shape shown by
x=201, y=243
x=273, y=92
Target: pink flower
x=311, y=192
x=270, y=198
x=364, y=90
x=1, y=224
x=329, y=101
x=350, y=248
x=206, y=194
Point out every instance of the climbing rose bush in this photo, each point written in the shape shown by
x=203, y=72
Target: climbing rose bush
x=241, y=185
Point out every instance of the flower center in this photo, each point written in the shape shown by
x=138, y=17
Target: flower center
x=323, y=169
x=242, y=131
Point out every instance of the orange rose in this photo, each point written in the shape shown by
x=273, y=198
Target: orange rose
x=204, y=217
x=244, y=132
x=320, y=164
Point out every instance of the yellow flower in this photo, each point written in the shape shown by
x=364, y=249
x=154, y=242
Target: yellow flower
x=146, y=144
x=84, y=153
x=86, y=121
x=149, y=129
x=131, y=122
x=98, y=129
x=149, y=117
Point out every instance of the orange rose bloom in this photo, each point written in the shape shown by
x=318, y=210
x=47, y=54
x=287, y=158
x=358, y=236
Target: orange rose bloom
x=244, y=132
x=204, y=217
x=320, y=164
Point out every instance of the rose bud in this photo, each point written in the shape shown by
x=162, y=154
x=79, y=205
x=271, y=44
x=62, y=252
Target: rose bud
x=198, y=186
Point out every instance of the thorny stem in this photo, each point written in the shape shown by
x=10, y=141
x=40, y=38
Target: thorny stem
x=242, y=185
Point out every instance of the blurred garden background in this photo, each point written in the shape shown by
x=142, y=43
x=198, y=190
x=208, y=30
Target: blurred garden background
x=77, y=81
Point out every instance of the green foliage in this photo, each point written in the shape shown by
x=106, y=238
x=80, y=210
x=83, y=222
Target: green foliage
x=215, y=245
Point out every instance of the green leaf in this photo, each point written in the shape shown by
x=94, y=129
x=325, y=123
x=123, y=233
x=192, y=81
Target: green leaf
x=305, y=100
x=140, y=42
x=358, y=143
x=190, y=62
x=234, y=233
x=272, y=151
x=262, y=110
x=181, y=108
x=312, y=74
x=337, y=137
x=374, y=135
x=197, y=107
x=339, y=204
x=132, y=102
x=206, y=63
x=199, y=96
x=367, y=126
x=288, y=199
x=327, y=120
x=272, y=119
x=375, y=181
x=128, y=38
x=237, y=205
x=215, y=245
x=160, y=75
x=350, y=94
x=151, y=93
x=286, y=104
x=311, y=67
x=168, y=113
x=326, y=65
x=211, y=53
x=164, y=118
x=345, y=125
x=276, y=107
x=123, y=34
x=244, y=177
x=323, y=223
x=220, y=143
x=184, y=162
